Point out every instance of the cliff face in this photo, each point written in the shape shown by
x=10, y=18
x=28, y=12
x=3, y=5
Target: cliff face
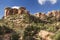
x=12, y=11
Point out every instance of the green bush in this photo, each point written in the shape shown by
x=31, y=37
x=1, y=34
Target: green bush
x=52, y=29
x=15, y=36
x=57, y=36
x=30, y=32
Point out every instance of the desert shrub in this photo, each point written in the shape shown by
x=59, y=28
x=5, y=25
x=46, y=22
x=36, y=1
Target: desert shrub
x=57, y=36
x=15, y=36
x=30, y=32
x=1, y=30
x=52, y=29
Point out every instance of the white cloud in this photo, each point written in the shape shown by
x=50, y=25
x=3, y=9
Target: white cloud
x=53, y=1
x=17, y=7
x=44, y=1
x=41, y=1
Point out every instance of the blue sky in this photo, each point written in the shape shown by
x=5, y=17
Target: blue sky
x=33, y=6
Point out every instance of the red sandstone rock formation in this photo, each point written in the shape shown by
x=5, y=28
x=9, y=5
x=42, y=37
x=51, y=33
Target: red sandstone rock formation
x=21, y=10
x=12, y=11
x=15, y=11
x=55, y=14
x=42, y=16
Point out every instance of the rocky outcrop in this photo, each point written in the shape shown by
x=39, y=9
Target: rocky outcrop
x=53, y=15
x=12, y=11
x=45, y=35
x=41, y=16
